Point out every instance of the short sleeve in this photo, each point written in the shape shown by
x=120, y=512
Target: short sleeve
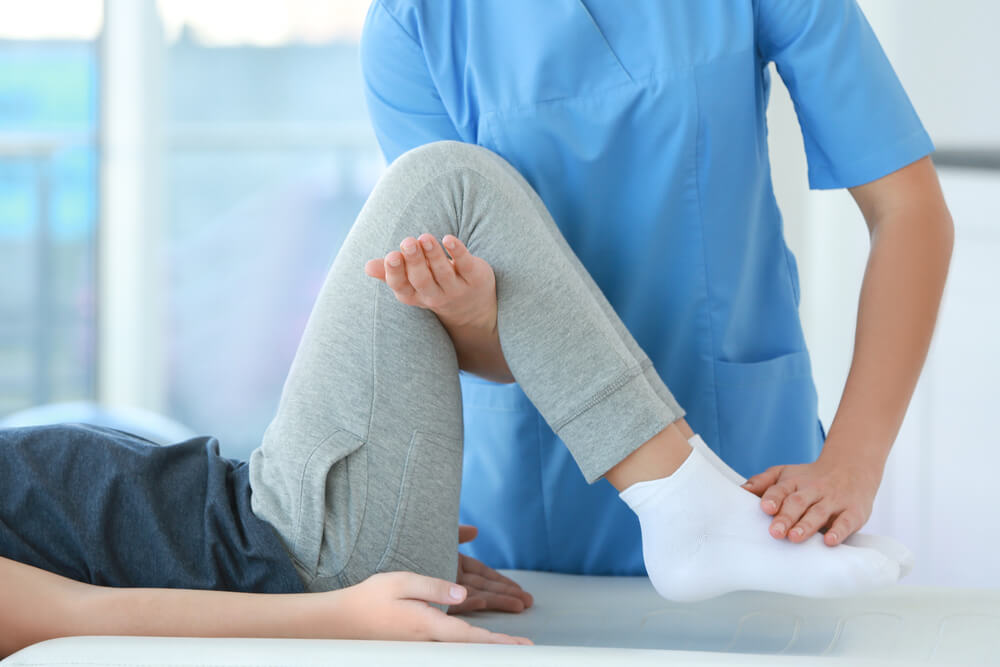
x=405, y=108
x=857, y=122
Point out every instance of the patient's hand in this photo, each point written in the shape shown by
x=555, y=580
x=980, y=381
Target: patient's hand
x=461, y=290
x=394, y=606
x=488, y=589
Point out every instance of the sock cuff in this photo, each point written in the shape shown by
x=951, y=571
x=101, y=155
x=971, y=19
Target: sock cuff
x=636, y=495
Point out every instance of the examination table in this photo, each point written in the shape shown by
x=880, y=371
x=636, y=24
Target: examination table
x=608, y=621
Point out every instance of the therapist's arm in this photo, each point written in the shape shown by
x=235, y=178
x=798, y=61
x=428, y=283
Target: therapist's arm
x=911, y=242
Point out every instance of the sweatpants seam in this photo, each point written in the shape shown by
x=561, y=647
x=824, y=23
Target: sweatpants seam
x=401, y=502
x=600, y=396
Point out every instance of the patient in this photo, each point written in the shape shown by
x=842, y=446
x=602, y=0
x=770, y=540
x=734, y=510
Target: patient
x=346, y=515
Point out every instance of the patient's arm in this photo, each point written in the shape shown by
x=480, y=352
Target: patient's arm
x=37, y=605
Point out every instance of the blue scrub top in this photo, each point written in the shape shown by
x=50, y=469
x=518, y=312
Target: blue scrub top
x=642, y=126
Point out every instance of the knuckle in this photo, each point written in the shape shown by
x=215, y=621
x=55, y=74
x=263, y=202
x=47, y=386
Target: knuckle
x=784, y=518
x=820, y=511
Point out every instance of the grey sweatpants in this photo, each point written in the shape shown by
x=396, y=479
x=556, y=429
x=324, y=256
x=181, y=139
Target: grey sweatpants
x=360, y=470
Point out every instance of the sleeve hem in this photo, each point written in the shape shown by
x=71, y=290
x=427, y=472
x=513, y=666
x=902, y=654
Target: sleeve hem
x=874, y=166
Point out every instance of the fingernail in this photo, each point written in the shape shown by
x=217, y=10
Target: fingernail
x=456, y=592
x=427, y=244
x=769, y=504
x=797, y=532
x=779, y=528
x=409, y=247
x=833, y=536
x=449, y=242
x=748, y=483
x=395, y=260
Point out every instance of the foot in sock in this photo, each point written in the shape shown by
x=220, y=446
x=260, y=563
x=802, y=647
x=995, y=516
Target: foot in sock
x=703, y=536
x=889, y=547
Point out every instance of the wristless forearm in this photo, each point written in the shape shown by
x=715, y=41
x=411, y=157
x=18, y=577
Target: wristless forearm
x=193, y=613
x=897, y=311
x=479, y=352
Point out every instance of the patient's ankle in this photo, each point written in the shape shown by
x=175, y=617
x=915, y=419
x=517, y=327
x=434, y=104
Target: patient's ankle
x=656, y=458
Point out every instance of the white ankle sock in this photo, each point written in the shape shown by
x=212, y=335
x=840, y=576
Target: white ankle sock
x=889, y=547
x=703, y=536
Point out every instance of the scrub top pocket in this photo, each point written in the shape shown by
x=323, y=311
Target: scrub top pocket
x=762, y=406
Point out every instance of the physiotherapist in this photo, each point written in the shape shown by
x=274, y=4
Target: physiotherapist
x=642, y=126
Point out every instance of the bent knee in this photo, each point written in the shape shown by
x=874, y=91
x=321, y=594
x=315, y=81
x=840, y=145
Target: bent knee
x=442, y=156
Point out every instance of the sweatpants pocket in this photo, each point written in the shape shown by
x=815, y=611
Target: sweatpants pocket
x=424, y=535
x=331, y=503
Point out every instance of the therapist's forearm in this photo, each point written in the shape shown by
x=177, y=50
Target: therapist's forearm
x=900, y=296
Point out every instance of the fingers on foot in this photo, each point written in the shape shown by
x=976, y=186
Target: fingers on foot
x=761, y=482
x=790, y=504
x=815, y=518
x=773, y=499
x=842, y=527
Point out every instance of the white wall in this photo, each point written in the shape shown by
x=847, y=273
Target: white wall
x=938, y=495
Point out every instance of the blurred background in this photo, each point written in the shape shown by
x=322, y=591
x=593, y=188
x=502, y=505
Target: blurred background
x=177, y=175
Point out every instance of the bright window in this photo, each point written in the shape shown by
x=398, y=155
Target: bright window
x=48, y=201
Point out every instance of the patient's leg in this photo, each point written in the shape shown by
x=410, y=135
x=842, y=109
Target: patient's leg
x=361, y=467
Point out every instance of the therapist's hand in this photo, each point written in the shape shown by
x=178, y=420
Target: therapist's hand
x=834, y=494
x=460, y=290
x=488, y=589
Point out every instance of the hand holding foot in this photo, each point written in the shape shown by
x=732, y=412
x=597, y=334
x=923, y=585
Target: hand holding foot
x=831, y=495
x=703, y=536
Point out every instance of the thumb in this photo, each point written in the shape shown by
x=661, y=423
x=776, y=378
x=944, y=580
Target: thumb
x=761, y=482
x=429, y=589
x=375, y=268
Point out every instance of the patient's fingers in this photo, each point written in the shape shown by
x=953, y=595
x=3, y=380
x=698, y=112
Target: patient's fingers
x=417, y=271
x=465, y=262
x=395, y=278
x=451, y=629
x=375, y=268
x=444, y=272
